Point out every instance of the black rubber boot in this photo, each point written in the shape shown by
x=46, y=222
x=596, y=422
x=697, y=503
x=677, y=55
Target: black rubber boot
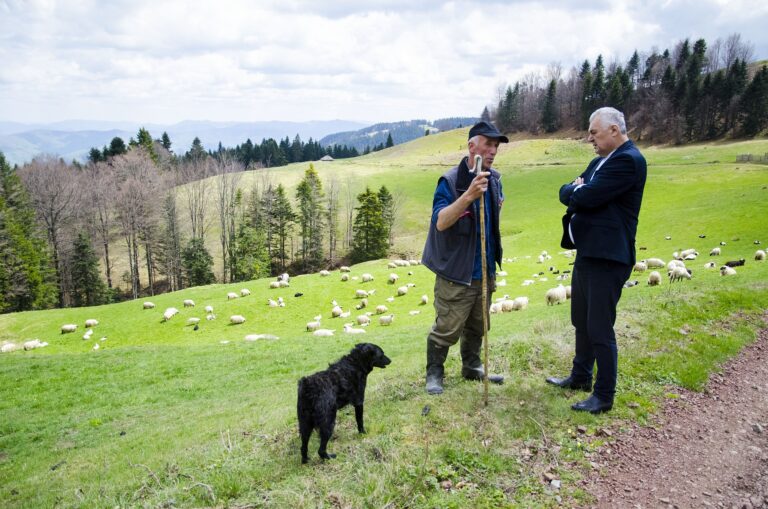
x=436, y=356
x=471, y=365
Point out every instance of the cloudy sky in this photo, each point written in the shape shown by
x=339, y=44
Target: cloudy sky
x=167, y=61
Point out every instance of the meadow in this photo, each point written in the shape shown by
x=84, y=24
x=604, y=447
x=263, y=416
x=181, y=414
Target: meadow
x=162, y=415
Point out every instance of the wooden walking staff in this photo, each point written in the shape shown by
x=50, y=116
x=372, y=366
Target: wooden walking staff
x=484, y=264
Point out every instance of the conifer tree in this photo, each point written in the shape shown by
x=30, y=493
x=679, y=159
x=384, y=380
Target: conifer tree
x=549, y=119
x=197, y=263
x=165, y=140
x=754, y=104
x=309, y=194
x=87, y=287
x=390, y=143
x=369, y=240
x=280, y=219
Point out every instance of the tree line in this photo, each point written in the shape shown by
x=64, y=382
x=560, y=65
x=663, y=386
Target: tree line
x=140, y=221
x=694, y=92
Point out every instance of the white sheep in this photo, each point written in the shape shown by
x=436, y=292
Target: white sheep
x=209, y=309
x=391, y=265
x=556, y=295
x=393, y=278
x=280, y=302
x=655, y=263
x=520, y=303
x=345, y=277
x=424, y=300
x=675, y=263
x=256, y=337
x=91, y=322
x=336, y=311
x=495, y=308
x=189, y=303
x=169, y=313
x=727, y=271
x=362, y=304
x=381, y=309
x=366, y=278
x=313, y=326
x=272, y=285
x=344, y=268
x=34, y=343
x=210, y=317
x=232, y=295
x=8, y=347
x=245, y=292
x=363, y=320
x=351, y=330
x=677, y=273
x=715, y=252
x=502, y=273
x=361, y=294
x=284, y=277
x=272, y=303
x=149, y=305
x=324, y=273
x=236, y=319
x=654, y=278
x=193, y=320
x=759, y=255
x=323, y=332
x=640, y=266
x=568, y=291
x=507, y=306
x=402, y=291
x=67, y=328
x=386, y=319
x=710, y=265
x=528, y=282
x=414, y=312
x=390, y=299
x=283, y=284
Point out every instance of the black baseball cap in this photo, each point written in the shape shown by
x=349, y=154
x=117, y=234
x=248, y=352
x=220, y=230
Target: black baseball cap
x=488, y=130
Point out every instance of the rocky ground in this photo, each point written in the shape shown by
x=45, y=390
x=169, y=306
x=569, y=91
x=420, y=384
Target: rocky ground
x=707, y=449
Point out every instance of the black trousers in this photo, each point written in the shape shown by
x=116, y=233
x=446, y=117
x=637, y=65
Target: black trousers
x=595, y=292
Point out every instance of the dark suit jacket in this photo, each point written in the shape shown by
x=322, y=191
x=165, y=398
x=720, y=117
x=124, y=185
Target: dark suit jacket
x=603, y=213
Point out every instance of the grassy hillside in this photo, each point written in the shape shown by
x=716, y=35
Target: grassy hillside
x=163, y=415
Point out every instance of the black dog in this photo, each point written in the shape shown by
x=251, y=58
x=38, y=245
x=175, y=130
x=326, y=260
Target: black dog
x=323, y=393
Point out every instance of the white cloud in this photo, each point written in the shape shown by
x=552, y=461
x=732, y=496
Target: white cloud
x=165, y=61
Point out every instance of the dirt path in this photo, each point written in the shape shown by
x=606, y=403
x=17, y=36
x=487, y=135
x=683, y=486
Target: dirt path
x=707, y=449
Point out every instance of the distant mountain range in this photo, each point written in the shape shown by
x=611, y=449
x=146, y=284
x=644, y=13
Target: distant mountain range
x=72, y=139
x=401, y=132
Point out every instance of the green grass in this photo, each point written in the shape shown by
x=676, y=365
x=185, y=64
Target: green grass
x=162, y=415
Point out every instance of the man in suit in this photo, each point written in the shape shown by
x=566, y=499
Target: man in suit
x=601, y=223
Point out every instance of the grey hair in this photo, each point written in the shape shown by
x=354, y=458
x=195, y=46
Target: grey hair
x=610, y=116
x=474, y=139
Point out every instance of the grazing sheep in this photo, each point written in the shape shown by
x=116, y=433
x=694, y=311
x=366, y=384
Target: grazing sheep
x=520, y=303
x=555, y=295
x=386, y=319
x=759, y=255
x=67, y=328
x=735, y=263
x=562, y=277
x=414, y=312
x=675, y=263
x=362, y=304
x=381, y=309
x=193, y=320
x=363, y=319
x=361, y=294
x=722, y=242
x=323, y=332
x=8, y=347
x=640, y=267
x=528, y=282
x=245, y=292
x=169, y=313
x=283, y=284
x=402, y=291
x=366, y=278
x=348, y=329
x=424, y=300
x=393, y=278
x=655, y=263
x=568, y=292
x=236, y=319
x=284, y=277
x=210, y=317
x=313, y=326
x=690, y=256
x=280, y=302
x=324, y=273
x=149, y=305
x=345, y=277
x=390, y=299
x=727, y=271
x=507, y=306
x=654, y=278
x=391, y=265
x=345, y=314
x=495, y=308
x=189, y=303
x=710, y=265
x=344, y=268
x=336, y=311
x=256, y=337
x=677, y=273
x=209, y=309
x=273, y=284
x=715, y=252
x=687, y=252
x=271, y=303
x=91, y=322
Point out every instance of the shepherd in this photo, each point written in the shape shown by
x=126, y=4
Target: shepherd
x=463, y=249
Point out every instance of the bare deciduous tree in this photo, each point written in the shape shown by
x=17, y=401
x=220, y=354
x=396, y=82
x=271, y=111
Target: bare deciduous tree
x=333, y=190
x=229, y=174
x=195, y=191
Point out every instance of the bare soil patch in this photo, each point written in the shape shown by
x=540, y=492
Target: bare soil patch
x=704, y=449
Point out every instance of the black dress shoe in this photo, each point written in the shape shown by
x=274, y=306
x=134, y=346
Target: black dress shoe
x=568, y=383
x=593, y=405
x=478, y=374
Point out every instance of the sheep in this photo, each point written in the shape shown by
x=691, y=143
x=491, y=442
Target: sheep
x=654, y=278
x=344, y=268
x=283, y=284
x=402, y=291
x=233, y=295
x=568, y=292
x=675, y=263
x=169, y=313
x=727, y=271
x=735, y=263
x=95, y=347
x=502, y=273
x=507, y=306
x=414, y=262
x=391, y=265
x=193, y=320
x=366, y=278
x=284, y=277
x=630, y=284
x=361, y=294
x=67, y=328
x=528, y=282
x=520, y=303
x=414, y=312
x=495, y=308
x=91, y=322
x=189, y=303
x=149, y=305
x=324, y=273
x=348, y=329
x=655, y=263
x=323, y=332
x=677, y=273
x=386, y=319
x=209, y=309
x=256, y=337
x=710, y=265
x=393, y=278
x=390, y=299
x=363, y=320
x=411, y=285
x=313, y=326
x=640, y=267
x=759, y=255
x=272, y=285
x=210, y=317
x=715, y=252
x=503, y=282
x=687, y=252
x=345, y=277
x=88, y=334
x=691, y=256
x=362, y=304
x=245, y=292
x=280, y=302
x=562, y=277
x=424, y=300
x=345, y=314
x=8, y=347
x=555, y=295
x=236, y=319
x=336, y=311
x=381, y=309
x=271, y=303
